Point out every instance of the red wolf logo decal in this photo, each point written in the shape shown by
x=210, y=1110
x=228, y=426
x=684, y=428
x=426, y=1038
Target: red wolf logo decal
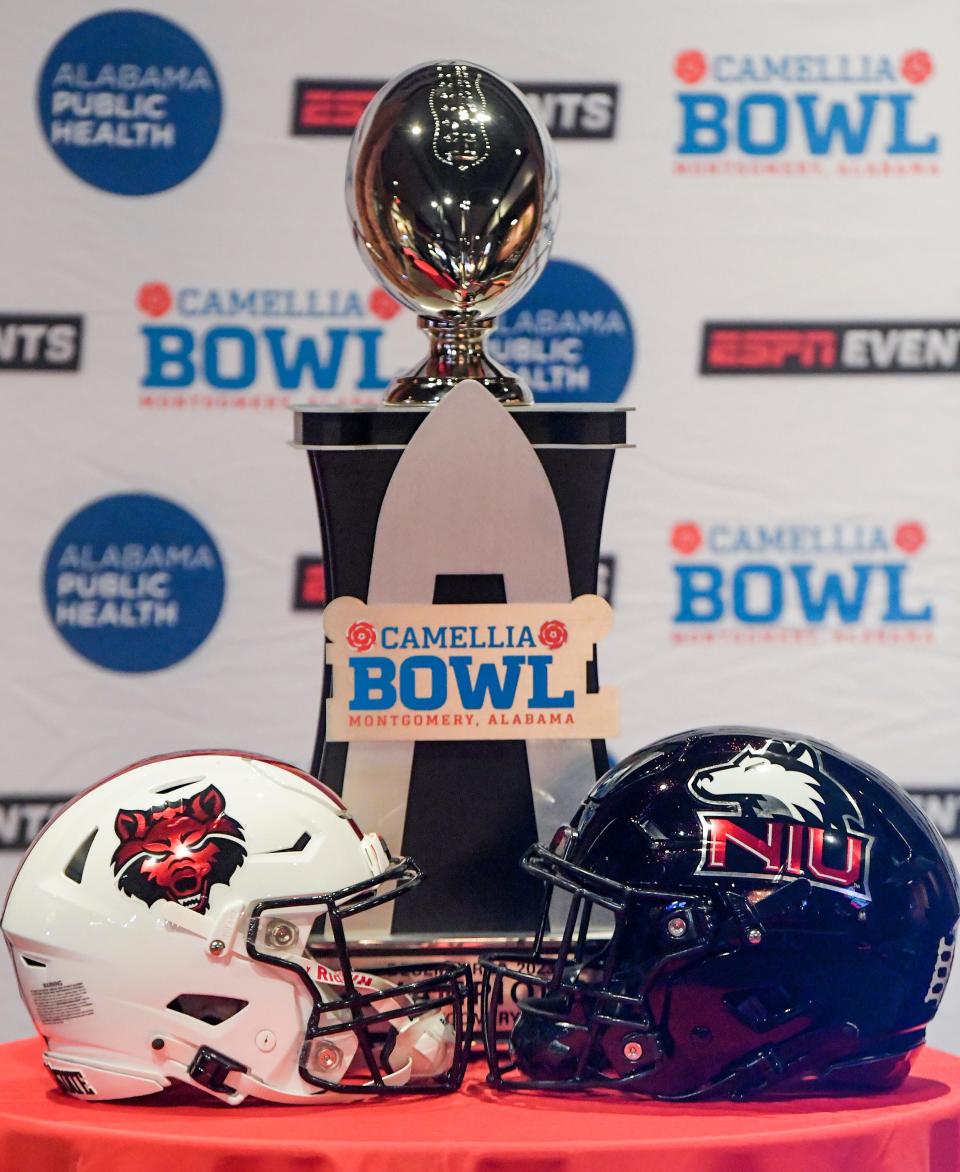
x=179, y=850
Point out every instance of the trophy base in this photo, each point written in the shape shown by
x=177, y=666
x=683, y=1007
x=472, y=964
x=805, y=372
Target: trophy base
x=411, y=391
x=456, y=354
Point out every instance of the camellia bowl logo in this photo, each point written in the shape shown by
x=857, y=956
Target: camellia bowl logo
x=570, y=337
x=133, y=582
x=252, y=348
x=130, y=102
x=850, y=582
x=776, y=113
x=466, y=672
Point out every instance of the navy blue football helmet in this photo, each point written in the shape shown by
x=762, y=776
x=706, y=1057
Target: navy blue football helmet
x=780, y=917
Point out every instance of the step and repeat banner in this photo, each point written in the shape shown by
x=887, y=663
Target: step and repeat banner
x=758, y=253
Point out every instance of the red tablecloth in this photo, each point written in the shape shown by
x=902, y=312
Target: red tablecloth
x=913, y=1129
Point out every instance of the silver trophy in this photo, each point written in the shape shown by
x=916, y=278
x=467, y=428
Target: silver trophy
x=452, y=193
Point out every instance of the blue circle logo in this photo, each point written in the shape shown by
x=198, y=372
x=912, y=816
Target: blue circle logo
x=129, y=102
x=133, y=582
x=570, y=338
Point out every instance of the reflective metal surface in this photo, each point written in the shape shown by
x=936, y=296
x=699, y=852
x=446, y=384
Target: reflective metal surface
x=452, y=193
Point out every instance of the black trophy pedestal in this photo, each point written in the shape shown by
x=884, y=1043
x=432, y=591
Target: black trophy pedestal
x=470, y=812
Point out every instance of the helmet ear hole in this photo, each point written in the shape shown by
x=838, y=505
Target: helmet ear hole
x=207, y=1007
x=765, y=1007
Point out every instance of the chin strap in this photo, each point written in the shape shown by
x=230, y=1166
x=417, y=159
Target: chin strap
x=232, y=1083
x=776, y=1066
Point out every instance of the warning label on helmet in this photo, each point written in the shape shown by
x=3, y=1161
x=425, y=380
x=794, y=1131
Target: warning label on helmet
x=56, y=1002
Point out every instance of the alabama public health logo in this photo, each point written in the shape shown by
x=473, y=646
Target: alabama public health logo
x=849, y=582
x=134, y=582
x=850, y=114
x=130, y=102
x=570, y=338
x=257, y=348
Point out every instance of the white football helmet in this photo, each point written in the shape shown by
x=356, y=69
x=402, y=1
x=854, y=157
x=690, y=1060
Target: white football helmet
x=159, y=928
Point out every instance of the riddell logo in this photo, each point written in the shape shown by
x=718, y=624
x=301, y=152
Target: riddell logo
x=800, y=583
x=582, y=110
x=256, y=348
x=859, y=347
x=851, y=114
x=48, y=342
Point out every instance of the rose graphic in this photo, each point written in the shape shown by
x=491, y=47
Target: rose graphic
x=154, y=298
x=916, y=66
x=383, y=305
x=690, y=66
x=361, y=636
x=909, y=536
x=686, y=537
x=553, y=634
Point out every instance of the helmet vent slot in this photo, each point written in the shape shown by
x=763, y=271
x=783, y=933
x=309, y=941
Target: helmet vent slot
x=74, y=868
x=299, y=845
x=172, y=789
x=207, y=1007
x=34, y=964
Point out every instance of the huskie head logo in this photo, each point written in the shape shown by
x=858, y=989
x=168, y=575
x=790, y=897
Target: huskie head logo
x=179, y=850
x=774, y=811
x=777, y=781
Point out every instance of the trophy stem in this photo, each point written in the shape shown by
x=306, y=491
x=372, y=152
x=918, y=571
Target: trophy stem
x=456, y=353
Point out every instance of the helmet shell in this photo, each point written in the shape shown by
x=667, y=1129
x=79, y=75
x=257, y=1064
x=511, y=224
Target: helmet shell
x=782, y=913
x=134, y=902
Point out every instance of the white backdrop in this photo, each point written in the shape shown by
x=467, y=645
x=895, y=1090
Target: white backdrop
x=785, y=545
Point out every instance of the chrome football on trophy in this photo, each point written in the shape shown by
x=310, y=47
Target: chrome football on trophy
x=452, y=192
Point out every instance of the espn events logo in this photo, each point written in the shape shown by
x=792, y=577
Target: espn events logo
x=23, y=816
x=861, y=347
x=581, y=110
x=40, y=341
x=941, y=804
x=310, y=582
x=851, y=114
x=258, y=348
x=800, y=583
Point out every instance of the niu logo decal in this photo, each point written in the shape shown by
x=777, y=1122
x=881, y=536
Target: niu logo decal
x=178, y=851
x=775, y=813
